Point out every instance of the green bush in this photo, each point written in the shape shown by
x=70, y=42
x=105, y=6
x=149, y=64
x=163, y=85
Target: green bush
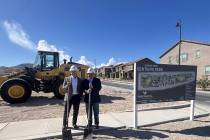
x=203, y=83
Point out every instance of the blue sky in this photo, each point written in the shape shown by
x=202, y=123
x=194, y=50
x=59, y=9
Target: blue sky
x=106, y=30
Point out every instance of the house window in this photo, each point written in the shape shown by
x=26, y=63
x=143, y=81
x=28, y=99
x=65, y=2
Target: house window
x=170, y=59
x=184, y=57
x=197, y=54
x=207, y=70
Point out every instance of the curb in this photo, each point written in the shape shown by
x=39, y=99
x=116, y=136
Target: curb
x=174, y=120
x=118, y=81
x=162, y=108
x=203, y=91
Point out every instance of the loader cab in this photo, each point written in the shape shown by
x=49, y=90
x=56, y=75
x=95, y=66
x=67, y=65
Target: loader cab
x=46, y=61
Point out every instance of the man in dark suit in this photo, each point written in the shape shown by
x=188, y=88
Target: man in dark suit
x=74, y=87
x=94, y=88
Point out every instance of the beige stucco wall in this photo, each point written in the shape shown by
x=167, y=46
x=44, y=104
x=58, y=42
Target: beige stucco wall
x=190, y=48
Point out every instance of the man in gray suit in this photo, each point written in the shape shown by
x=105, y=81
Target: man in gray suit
x=74, y=87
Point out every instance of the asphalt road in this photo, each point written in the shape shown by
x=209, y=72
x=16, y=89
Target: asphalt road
x=202, y=99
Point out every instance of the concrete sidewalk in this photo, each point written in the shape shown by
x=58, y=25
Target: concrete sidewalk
x=51, y=128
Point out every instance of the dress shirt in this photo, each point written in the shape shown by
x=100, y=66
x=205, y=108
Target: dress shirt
x=74, y=81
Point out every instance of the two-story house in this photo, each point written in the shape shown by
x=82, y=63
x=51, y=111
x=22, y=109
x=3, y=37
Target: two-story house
x=191, y=53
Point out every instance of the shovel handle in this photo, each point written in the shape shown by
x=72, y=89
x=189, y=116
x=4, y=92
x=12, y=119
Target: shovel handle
x=89, y=107
x=67, y=102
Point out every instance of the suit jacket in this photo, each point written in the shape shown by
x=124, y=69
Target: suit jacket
x=95, y=97
x=80, y=88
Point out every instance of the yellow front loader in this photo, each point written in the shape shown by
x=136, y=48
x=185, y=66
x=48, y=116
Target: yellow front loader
x=47, y=75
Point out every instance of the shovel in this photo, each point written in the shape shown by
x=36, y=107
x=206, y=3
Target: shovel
x=66, y=131
x=88, y=132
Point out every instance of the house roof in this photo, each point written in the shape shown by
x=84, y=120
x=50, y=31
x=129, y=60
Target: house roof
x=105, y=67
x=188, y=41
x=128, y=63
x=119, y=64
x=141, y=59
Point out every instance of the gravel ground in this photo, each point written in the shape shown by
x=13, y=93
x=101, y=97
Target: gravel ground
x=181, y=130
x=44, y=105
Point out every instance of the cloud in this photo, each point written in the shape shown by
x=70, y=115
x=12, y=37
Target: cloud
x=17, y=35
x=43, y=45
x=101, y=65
x=111, y=61
x=83, y=60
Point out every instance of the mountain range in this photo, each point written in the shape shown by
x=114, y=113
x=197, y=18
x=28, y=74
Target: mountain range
x=6, y=70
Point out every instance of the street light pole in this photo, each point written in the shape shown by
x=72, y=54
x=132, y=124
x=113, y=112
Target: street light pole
x=192, y=102
x=95, y=63
x=179, y=25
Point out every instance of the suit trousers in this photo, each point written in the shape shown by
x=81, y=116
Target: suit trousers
x=75, y=102
x=95, y=110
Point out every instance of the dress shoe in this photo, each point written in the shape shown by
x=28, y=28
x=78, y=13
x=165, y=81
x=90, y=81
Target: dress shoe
x=75, y=126
x=96, y=127
x=88, y=126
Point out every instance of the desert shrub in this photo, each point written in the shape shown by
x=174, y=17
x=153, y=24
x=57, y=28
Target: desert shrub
x=203, y=83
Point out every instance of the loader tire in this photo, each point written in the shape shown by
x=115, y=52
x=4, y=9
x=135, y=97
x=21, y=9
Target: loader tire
x=15, y=91
x=58, y=89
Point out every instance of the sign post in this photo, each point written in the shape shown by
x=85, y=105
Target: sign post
x=135, y=113
x=155, y=83
x=192, y=108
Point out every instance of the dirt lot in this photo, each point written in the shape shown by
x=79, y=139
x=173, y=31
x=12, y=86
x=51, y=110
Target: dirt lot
x=44, y=105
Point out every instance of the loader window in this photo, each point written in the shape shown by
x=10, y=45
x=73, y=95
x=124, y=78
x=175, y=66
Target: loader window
x=37, y=63
x=48, y=61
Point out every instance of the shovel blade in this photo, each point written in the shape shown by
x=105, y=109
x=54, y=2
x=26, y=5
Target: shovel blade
x=66, y=133
x=88, y=133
